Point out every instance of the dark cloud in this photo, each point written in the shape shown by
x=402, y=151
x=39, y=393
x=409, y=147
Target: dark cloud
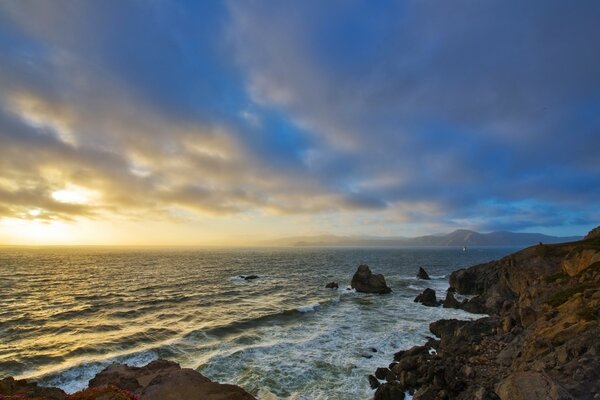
x=467, y=113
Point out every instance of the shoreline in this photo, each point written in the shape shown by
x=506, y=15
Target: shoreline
x=539, y=340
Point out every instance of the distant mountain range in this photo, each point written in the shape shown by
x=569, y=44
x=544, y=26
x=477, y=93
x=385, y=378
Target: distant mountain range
x=460, y=237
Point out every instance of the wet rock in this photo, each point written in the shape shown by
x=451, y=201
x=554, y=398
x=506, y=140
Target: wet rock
x=389, y=391
x=427, y=298
x=373, y=382
x=422, y=274
x=367, y=282
x=249, y=277
x=332, y=285
x=450, y=301
x=380, y=373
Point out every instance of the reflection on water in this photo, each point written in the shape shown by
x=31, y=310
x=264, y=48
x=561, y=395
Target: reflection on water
x=65, y=313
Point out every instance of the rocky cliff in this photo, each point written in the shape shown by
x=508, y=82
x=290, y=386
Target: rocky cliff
x=540, y=340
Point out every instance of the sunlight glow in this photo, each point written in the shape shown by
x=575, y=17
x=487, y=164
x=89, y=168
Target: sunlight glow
x=73, y=195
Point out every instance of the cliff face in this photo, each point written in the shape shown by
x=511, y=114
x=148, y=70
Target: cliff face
x=540, y=341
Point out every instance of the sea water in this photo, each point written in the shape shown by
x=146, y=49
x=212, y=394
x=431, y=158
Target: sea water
x=66, y=313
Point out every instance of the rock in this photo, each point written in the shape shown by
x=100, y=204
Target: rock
x=389, y=391
x=578, y=261
x=22, y=389
x=450, y=301
x=373, y=382
x=530, y=385
x=427, y=298
x=249, y=277
x=367, y=282
x=332, y=285
x=380, y=373
x=593, y=234
x=166, y=380
x=464, y=281
x=422, y=274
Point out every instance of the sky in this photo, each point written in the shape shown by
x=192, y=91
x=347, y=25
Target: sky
x=234, y=122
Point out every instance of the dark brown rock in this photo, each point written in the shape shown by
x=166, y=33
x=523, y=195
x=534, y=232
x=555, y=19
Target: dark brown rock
x=427, y=298
x=373, y=382
x=380, y=373
x=450, y=301
x=166, y=380
x=332, y=285
x=367, y=282
x=389, y=391
x=422, y=274
x=11, y=388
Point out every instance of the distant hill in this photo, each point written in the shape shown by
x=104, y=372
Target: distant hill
x=460, y=237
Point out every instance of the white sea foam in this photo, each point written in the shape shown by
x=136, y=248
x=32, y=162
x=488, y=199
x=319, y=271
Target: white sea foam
x=308, y=308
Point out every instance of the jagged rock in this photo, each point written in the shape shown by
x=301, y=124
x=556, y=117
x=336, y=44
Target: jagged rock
x=332, y=285
x=427, y=298
x=422, y=274
x=389, y=391
x=373, y=382
x=367, y=282
x=450, y=301
x=530, y=385
x=381, y=372
x=23, y=389
x=166, y=380
x=593, y=234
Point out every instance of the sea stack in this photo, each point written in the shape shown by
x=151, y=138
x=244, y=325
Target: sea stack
x=422, y=274
x=367, y=282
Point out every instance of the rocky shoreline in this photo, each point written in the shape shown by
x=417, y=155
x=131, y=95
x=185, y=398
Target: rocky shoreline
x=159, y=380
x=539, y=340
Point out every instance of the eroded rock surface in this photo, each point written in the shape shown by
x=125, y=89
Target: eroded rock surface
x=540, y=340
x=367, y=282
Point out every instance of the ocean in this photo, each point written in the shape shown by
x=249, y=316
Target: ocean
x=66, y=313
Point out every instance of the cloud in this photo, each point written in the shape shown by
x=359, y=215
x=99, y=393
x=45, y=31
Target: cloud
x=383, y=116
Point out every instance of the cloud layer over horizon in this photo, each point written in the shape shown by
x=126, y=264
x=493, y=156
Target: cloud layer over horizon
x=345, y=117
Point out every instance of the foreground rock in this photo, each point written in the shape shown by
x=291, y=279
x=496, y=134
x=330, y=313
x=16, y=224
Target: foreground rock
x=540, y=340
x=427, y=298
x=11, y=388
x=422, y=274
x=159, y=380
x=367, y=282
x=166, y=380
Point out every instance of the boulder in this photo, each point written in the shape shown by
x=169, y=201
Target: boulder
x=249, y=277
x=22, y=389
x=381, y=372
x=373, y=382
x=166, y=380
x=527, y=385
x=389, y=391
x=367, y=282
x=427, y=298
x=422, y=274
x=450, y=301
x=332, y=285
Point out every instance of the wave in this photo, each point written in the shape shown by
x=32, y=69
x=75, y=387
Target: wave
x=308, y=308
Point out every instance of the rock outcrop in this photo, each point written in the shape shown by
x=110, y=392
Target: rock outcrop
x=159, y=380
x=332, y=285
x=540, y=340
x=367, y=282
x=422, y=274
x=427, y=298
